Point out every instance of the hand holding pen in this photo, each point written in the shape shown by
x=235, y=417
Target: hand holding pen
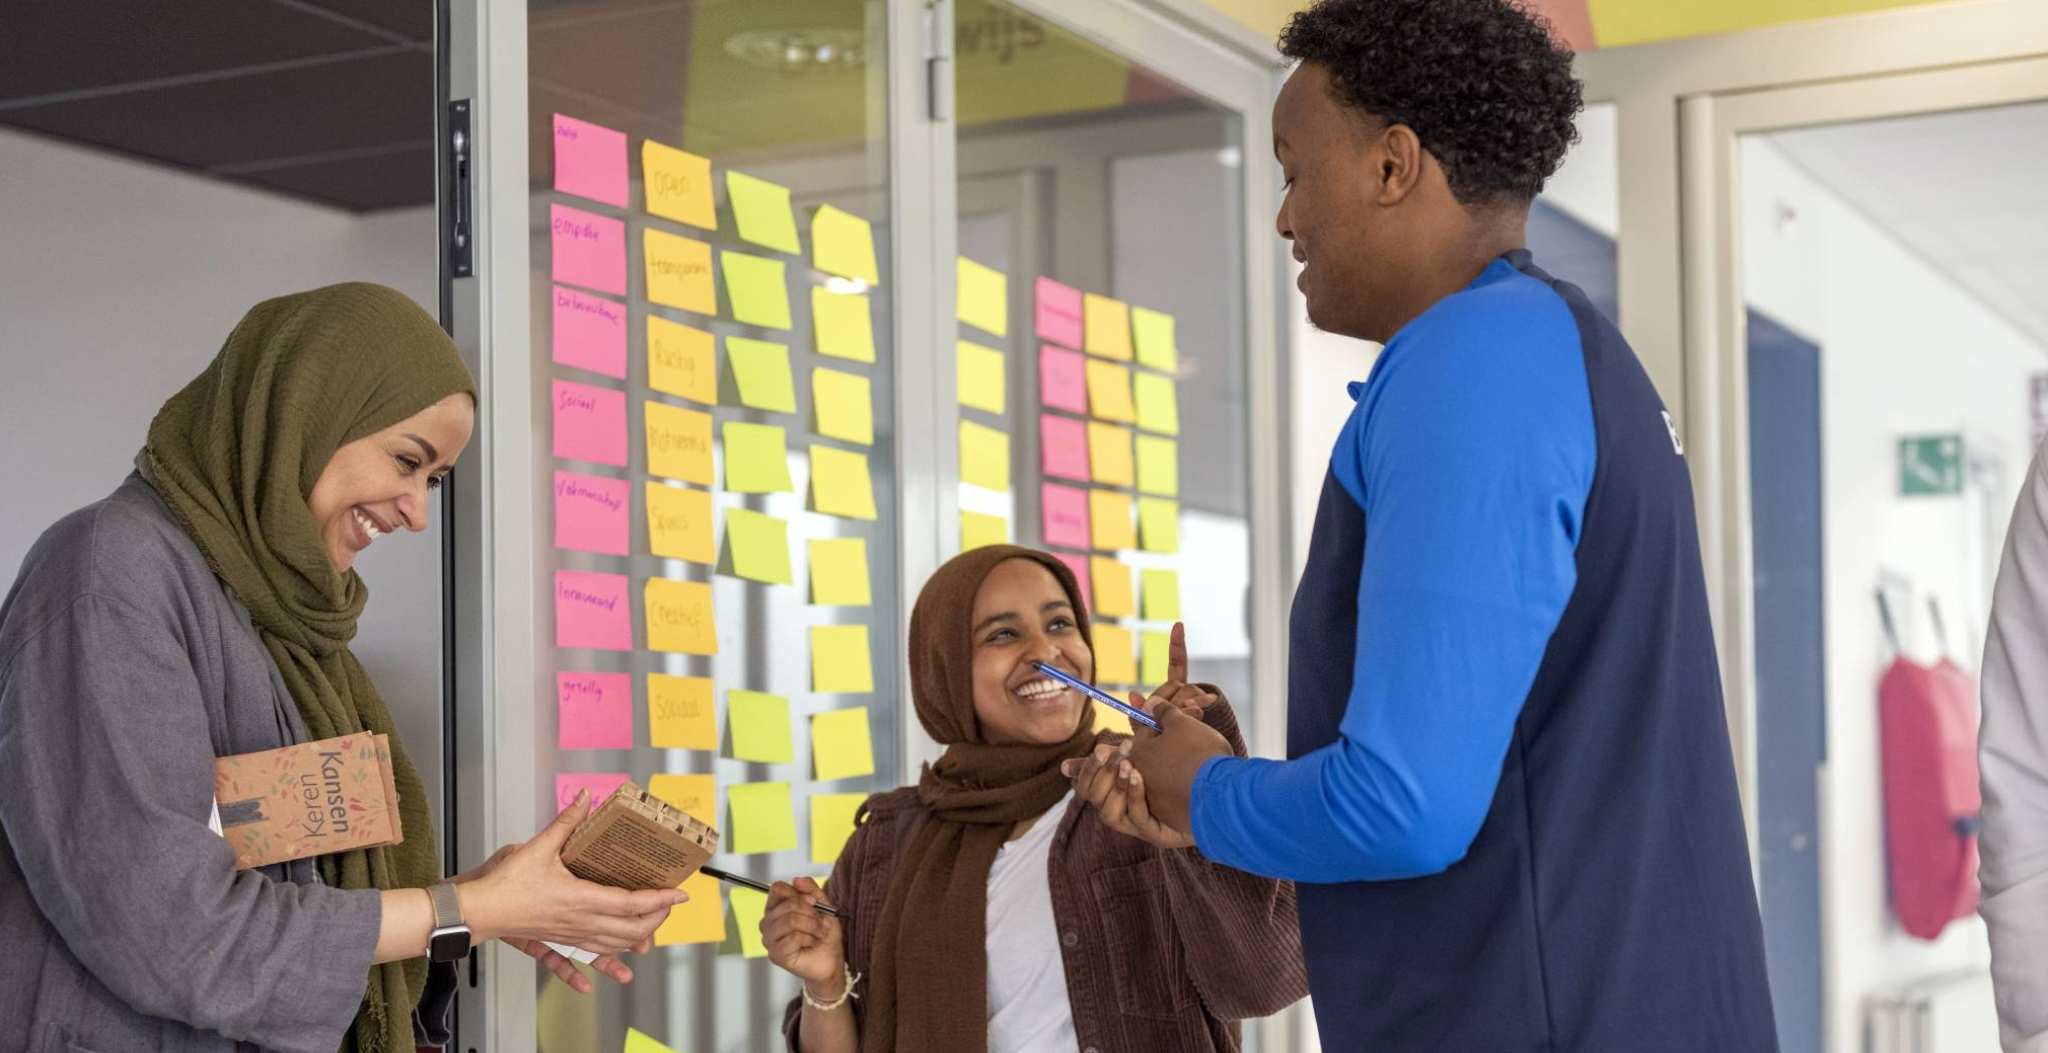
x=1108, y=782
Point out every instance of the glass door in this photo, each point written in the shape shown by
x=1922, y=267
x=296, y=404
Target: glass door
x=1876, y=318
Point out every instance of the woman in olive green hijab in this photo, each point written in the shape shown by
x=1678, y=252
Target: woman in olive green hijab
x=205, y=609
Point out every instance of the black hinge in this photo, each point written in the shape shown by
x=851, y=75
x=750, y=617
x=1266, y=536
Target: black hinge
x=461, y=203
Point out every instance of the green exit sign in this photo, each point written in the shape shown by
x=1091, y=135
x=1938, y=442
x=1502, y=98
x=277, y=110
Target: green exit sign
x=1930, y=464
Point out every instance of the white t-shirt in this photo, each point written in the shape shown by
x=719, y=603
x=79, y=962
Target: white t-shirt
x=1028, y=1010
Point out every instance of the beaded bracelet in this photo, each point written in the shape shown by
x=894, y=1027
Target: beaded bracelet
x=826, y=1007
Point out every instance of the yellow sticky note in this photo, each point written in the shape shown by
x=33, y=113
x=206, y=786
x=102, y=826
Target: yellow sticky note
x=839, y=572
x=760, y=727
x=761, y=210
x=762, y=819
x=1158, y=466
x=980, y=374
x=1107, y=324
x=1110, y=580
x=679, y=523
x=678, y=271
x=982, y=297
x=1160, y=522
x=1115, y=656
x=1162, y=594
x=761, y=371
x=749, y=907
x=840, y=484
x=977, y=530
x=1107, y=719
x=845, y=406
x=679, y=617
x=984, y=456
x=1153, y=333
x=1109, y=454
x=1109, y=391
x=759, y=545
x=832, y=823
x=694, y=794
x=843, y=244
x=678, y=443
x=840, y=746
x=682, y=360
x=640, y=1042
x=681, y=716
x=1158, y=408
x=756, y=287
x=756, y=459
x=1109, y=520
x=700, y=920
x=842, y=325
x=839, y=660
x=678, y=185
x=1153, y=647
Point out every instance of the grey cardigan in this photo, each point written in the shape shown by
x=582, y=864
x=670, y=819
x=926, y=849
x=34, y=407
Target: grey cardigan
x=125, y=669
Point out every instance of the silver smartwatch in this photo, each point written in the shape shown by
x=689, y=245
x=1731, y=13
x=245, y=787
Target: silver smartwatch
x=450, y=940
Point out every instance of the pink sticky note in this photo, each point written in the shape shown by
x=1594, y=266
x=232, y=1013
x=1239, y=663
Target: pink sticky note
x=592, y=513
x=591, y=610
x=1079, y=565
x=589, y=250
x=590, y=423
x=1066, y=516
x=1064, y=443
x=590, y=161
x=590, y=333
x=595, y=710
x=1062, y=379
x=1059, y=313
x=600, y=785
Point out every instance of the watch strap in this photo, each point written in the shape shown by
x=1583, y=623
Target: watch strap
x=447, y=906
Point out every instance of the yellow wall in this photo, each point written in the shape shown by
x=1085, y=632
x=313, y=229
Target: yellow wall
x=1618, y=22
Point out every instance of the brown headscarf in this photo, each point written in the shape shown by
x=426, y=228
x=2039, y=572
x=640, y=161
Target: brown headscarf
x=930, y=986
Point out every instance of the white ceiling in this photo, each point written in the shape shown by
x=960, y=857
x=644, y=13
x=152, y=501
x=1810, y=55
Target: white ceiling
x=1965, y=190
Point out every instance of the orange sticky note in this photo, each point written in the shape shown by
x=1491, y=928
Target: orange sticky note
x=678, y=271
x=700, y=920
x=1109, y=454
x=1109, y=520
x=678, y=185
x=1115, y=655
x=1108, y=325
x=1109, y=391
x=679, y=523
x=679, y=618
x=682, y=360
x=678, y=443
x=681, y=716
x=1111, y=581
x=696, y=795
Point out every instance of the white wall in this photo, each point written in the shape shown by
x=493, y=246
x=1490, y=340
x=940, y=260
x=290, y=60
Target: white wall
x=119, y=283
x=1903, y=351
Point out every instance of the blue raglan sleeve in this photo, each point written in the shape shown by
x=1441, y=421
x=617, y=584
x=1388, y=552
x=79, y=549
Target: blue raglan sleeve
x=1472, y=453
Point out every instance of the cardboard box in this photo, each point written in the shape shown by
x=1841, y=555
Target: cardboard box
x=311, y=799
x=636, y=840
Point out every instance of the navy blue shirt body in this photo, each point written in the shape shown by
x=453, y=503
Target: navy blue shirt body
x=1509, y=801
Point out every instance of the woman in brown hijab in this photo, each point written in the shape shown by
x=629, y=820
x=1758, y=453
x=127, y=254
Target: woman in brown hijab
x=994, y=908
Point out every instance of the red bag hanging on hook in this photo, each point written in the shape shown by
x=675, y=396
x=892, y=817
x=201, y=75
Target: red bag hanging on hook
x=1928, y=732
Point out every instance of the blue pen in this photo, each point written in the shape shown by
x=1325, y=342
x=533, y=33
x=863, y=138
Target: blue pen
x=1099, y=695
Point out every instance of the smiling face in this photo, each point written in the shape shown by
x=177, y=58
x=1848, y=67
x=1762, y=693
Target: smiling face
x=380, y=483
x=1022, y=615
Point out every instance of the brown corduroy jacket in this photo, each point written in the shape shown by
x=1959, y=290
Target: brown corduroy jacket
x=1164, y=950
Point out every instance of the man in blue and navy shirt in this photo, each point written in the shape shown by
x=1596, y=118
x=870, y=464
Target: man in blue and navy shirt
x=1510, y=803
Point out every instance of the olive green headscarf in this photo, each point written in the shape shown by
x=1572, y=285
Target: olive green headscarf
x=235, y=455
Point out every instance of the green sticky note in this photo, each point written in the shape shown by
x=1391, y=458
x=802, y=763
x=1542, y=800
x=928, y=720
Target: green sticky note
x=842, y=325
x=1152, y=668
x=762, y=210
x=1158, y=466
x=760, y=727
x=1158, y=409
x=756, y=459
x=639, y=1042
x=840, y=747
x=845, y=405
x=761, y=371
x=839, y=572
x=756, y=289
x=1162, y=594
x=839, y=660
x=748, y=908
x=762, y=819
x=1159, y=524
x=760, y=546
x=1153, y=331
x=832, y=823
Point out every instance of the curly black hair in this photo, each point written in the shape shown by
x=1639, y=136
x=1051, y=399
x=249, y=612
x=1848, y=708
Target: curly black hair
x=1487, y=89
